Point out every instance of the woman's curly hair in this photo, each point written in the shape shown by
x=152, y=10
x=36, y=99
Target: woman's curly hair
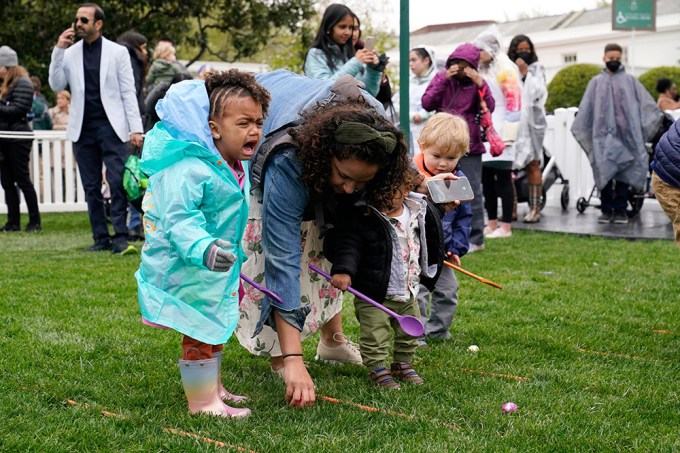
x=234, y=83
x=316, y=137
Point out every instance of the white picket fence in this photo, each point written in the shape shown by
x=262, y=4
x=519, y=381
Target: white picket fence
x=53, y=172
x=59, y=188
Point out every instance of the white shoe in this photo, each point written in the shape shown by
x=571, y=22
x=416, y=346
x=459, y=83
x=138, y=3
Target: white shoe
x=475, y=248
x=346, y=352
x=487, y=230
x=500, y=233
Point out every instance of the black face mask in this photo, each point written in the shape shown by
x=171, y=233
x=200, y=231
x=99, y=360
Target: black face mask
x=526, y=56
x=613, y=65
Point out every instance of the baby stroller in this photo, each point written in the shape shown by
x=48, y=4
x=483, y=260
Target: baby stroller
x=635, y=199
x=550, y=174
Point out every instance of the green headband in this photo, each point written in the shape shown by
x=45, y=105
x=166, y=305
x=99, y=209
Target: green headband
x=353, y=133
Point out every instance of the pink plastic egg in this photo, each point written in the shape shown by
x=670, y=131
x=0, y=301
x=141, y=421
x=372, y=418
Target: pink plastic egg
x=509, y=408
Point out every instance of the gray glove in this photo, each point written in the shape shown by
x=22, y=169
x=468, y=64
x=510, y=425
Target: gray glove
x=217, y=258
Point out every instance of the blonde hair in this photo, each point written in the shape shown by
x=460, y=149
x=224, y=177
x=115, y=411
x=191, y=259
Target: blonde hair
x=13, y=74
x=65, y=93
x=447, y=133
x=163, y=50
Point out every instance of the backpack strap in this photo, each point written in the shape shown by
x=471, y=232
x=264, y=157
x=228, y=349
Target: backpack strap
x=270, y=145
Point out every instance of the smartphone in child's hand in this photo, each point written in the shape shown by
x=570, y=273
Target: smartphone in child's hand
x=448, y=190
x=370, y=43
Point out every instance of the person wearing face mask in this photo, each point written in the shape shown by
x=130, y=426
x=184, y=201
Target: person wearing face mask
x=529, y=143
x=332, y=54
x=616, y=117
x=456, y=90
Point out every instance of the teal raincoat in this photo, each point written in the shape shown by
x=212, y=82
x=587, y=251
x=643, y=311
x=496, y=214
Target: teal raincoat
x=192, y=199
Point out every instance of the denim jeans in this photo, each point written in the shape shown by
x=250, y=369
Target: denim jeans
x=284, y=201
x=472, y=167
x=443, y=302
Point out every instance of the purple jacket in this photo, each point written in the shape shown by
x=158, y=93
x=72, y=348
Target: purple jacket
x=459, y=98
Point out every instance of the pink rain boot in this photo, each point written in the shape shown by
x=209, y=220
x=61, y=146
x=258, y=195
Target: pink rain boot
x=224, y=394
x=199, y=378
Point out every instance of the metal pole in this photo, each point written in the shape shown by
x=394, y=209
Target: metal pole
x=404, y=47
x=632, y=52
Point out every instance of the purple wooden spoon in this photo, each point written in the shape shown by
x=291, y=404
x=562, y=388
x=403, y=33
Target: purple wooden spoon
x=410, y=324
x=262, y=289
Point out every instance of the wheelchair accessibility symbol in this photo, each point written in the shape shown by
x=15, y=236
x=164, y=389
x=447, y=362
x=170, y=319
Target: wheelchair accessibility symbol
x=621, y=18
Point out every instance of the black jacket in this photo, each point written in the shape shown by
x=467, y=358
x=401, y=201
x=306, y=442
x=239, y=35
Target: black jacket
x=15, y=105
x=360, y=245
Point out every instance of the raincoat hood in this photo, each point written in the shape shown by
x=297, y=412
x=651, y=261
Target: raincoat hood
x=170, y=140
x=468, y=52
x=293, y=93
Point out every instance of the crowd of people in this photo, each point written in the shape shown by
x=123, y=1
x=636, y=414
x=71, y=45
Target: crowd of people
x=275, y=175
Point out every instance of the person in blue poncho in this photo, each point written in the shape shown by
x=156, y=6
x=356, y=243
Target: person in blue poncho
x=195, y=212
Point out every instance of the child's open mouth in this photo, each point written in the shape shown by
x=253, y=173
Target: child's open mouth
x=249, y=148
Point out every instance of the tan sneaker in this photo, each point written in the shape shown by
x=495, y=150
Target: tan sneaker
x=347, y=352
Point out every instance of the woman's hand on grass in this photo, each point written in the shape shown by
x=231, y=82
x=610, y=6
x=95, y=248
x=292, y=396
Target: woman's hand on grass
x=299, y=385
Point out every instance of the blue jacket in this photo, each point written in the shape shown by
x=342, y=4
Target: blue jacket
x=316, y=67
x=193, y=199
x=667, y=156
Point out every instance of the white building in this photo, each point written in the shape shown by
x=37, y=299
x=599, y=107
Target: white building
x=563, y=40
x=223, y=66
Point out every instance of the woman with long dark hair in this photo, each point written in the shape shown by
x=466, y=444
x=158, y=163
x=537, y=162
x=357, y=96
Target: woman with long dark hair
x=529, y=144
x=333, y=55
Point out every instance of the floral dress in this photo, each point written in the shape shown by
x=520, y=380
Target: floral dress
x=325, y=300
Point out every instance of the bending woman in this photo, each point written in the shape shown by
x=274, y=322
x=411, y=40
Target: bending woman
x=302, y=179
x=332, y=53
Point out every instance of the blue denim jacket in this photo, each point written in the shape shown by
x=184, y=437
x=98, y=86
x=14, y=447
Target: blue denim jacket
x=285, y=199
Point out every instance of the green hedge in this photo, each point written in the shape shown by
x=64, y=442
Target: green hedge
x=649, y=78
x=567, y=87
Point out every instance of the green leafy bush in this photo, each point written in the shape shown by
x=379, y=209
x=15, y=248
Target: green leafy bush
x=567, y=87
x=649, y=78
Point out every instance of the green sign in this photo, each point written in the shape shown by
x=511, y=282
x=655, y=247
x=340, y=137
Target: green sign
x=634, y=14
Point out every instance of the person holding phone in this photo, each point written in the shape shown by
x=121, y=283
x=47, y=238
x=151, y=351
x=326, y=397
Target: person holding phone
x=456, y=90
x=332, y=53
x=104, y=115
x=443, y=142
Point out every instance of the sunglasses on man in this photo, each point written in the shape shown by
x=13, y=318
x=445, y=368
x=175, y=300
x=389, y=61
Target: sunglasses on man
x=83, y=20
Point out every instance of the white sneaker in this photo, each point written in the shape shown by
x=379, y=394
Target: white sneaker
x=499, y=233
x=347, y=352
x=487, y=230
x=475, y=248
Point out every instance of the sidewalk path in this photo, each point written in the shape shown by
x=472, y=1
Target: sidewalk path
x=650, y=223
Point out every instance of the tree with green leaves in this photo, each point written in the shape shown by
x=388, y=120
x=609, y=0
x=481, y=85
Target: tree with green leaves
x=244, y=26
x=567, y=87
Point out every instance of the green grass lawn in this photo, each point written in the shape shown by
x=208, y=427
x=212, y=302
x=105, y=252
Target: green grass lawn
x=592, y=325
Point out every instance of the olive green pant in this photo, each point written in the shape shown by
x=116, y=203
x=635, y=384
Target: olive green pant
x=376, y=329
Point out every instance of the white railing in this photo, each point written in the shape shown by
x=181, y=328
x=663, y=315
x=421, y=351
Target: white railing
x=53, y=172
x=60, y=190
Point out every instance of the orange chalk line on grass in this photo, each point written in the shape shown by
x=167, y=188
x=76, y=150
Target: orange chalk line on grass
x=667, y=332
x=383, y=411
x=104, y=412
x=170, y=430
x=504, y=376
x=206, y=440
x=609, y=354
